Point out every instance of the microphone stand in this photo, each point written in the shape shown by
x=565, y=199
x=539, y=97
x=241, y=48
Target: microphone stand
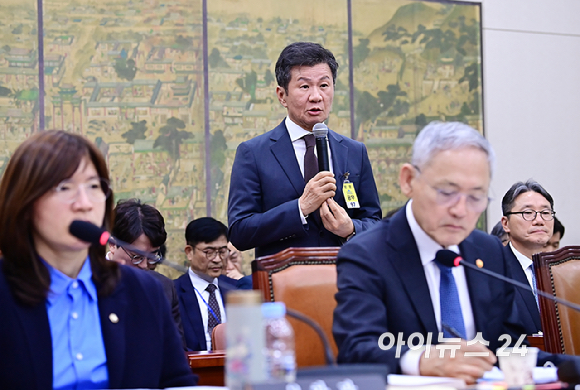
x=521, y=285
x=328, y=355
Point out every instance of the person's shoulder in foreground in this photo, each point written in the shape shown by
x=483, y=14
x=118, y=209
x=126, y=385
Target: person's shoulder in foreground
x=150, y=337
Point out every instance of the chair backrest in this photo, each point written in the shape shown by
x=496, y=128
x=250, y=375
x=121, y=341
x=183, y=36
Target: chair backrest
x=305, y=280
x=558, y=273
x=218, y=337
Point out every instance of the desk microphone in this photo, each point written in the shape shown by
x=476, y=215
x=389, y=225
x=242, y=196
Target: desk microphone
x=88, y=232
x=568, y=371
x=320, y=130
x=328, y=355
x=451, y=259
x=331, y=369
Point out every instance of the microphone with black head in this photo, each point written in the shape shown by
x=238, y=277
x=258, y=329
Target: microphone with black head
x=93, y=234
x=320, y=131
x=568, y=371
x=88, y=232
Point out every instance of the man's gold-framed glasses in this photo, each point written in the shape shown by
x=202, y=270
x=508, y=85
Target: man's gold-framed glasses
x=211, y=252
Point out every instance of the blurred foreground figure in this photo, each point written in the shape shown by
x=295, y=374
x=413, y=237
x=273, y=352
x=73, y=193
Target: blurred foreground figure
x=389, y=283
x=67, y=315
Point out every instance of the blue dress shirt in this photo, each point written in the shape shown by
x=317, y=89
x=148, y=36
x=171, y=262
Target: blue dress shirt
x=78, y=350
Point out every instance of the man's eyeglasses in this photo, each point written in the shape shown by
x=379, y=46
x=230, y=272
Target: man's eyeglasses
x=97, y=190
x=530, y=215
x=476, y=202
x=138, y=259
x=211, y=253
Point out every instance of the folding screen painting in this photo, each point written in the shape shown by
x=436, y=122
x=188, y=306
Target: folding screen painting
x=168, y=89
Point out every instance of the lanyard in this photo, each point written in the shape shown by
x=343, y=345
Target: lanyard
x=209, y=308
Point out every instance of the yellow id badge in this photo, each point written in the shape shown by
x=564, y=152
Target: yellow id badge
x=350, y=195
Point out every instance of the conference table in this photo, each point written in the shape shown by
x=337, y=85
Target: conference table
x=209, y=366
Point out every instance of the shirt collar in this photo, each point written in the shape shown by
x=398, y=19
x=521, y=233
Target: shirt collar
x=59, y=282
x=198, y=283
x=296, y=132
x=523, y=259
x=427, y=247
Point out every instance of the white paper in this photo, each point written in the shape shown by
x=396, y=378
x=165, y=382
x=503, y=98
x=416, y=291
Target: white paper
x=415, y=380
x=541, y=375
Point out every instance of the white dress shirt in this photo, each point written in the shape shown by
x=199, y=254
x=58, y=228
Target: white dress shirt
x=427, y=250
x=200, y=286
x=296, y=133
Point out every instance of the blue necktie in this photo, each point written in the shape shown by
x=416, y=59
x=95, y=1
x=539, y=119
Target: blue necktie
x=449, y=300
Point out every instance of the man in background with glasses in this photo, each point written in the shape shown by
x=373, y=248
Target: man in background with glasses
x=143, y=226
x=528, y=219
x=203, y=288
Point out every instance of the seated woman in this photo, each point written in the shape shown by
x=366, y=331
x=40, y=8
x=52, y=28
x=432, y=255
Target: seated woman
x=68, y=317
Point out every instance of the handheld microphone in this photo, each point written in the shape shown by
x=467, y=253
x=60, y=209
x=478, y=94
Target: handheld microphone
x=93, y=234
x=451, y=259
x=320, y=130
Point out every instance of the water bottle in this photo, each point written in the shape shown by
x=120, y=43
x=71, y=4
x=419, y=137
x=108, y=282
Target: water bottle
x=279, y=350
x=245, y=362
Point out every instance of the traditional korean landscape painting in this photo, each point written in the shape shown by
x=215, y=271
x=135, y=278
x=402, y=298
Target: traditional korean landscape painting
x=168, y=89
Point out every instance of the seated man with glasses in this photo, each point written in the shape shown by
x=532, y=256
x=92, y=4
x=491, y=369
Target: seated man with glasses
x=528, y=219
x=396, y=300
x=143, y=226
x=203, y=288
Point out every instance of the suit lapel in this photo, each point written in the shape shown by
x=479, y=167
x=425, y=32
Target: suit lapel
x=407, y=263
x=477, y=282
x=283, y=151
x=34, y=321
x=192, y=313
x=519, y=274
x=112, y=311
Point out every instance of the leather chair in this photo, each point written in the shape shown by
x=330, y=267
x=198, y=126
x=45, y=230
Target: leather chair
x=305, y=280
x=558, y=273
x=218, y=337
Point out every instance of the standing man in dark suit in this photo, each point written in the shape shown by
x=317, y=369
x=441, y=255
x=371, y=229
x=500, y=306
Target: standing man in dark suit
x=528, y=219
x=278, y=199
x=203, y=288
x=389, y=283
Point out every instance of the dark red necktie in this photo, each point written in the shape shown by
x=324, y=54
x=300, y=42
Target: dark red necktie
x=310, y=162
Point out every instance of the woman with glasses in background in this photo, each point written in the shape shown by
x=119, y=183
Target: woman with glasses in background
x=67, y=315
x=143, y=226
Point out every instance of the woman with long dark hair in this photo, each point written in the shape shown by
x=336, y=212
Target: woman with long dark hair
x=70, y=319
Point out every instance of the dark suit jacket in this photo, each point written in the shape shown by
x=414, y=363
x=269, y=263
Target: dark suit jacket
x=190, y=310
x=143, y=348
x=266, y=183
x=382, y=288
x=171, y=295
x=525, y=306
x=245, y=283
